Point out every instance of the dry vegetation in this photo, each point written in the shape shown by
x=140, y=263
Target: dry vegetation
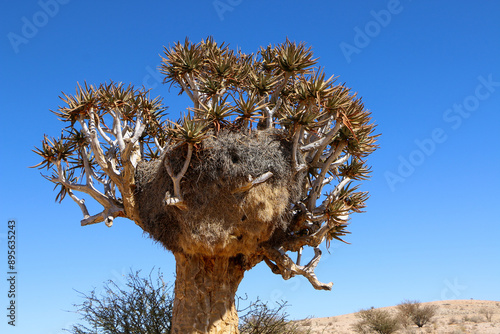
x=452, y=317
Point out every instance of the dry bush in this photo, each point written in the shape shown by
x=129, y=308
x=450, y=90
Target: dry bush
x=144, y=305
x=411, y=311
x=475, y=319
x=375, y=321
x=409, y=331
x=461, y=330
x=141, y=306
x=261, y=319
x=487, y=312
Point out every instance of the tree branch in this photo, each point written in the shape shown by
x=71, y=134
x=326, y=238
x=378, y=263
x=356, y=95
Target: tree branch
x=88, y=189
x=91, y=134
x=317, y=185
x=298, y=133
x=160, y=148
x=187, y=90
x=325, y=141
x=285, y=266
x=103, y=135
x=269, y=114
x=176, y=179
x=276, y=93
x=252, y=182
x=195, y=90
x=81, y=204
x=139, y=128
x=86, y=165
x=117, y=130
x=108, y=215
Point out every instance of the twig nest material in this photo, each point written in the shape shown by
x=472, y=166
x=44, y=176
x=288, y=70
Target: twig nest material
x=225, y=212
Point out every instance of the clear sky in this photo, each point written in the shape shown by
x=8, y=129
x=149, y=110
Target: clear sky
x=428, y=70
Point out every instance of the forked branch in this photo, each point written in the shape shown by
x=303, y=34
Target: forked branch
x=280, y=263
x=177, y=199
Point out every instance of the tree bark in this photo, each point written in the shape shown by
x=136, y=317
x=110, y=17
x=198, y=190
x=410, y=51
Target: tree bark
x=205, y=288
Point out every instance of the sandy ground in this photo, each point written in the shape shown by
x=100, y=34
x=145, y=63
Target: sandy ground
x=453, y=317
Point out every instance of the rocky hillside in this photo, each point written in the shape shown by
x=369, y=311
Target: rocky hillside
x=452, y=317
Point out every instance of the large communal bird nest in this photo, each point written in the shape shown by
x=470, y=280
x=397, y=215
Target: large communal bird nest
x=224, y=213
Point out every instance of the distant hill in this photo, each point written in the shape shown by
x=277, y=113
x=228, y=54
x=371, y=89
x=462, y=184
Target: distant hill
x=453, y=317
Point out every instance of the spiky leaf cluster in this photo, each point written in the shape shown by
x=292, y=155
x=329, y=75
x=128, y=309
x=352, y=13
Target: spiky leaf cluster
x=105, y=124
x=99, y=106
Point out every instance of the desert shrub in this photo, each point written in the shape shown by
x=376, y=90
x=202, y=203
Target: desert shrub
x=375, y=321
x=142, y=305
x=474, y=318
x=408, y=331
x=424, y=314
x=459, y=331
x=488, y=313
x=413, y=312
x=262, y=319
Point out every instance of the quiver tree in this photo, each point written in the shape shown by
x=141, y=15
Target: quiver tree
x=261, y=165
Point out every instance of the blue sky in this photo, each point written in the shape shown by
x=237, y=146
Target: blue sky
x=429, y=71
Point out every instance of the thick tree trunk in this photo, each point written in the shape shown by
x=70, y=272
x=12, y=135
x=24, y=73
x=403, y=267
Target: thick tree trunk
x=205, y=288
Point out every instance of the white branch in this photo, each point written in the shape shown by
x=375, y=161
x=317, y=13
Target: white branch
x=88, y=188
x=117, y=130
x=88, y=170
x=108, y=215
x=90, y=133
x=195, y=89
x=157, y=143
x=285, y=266
x=269, y=114
x=81, y=204
x=332, y=196
x=252, y=182
x=299, y=256
x=317, y=185
x=341, y=185
x=324, y=142
x=188, y=92
x=296, y=137
x=274, y=97
x=103, y=135
x=139, y=129
x=176, y=179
